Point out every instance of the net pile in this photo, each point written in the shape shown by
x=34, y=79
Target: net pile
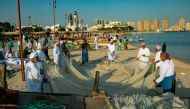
x=80, y=79
x=166, y=101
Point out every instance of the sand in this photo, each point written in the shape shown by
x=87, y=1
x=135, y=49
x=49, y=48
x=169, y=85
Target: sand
x=98, y=62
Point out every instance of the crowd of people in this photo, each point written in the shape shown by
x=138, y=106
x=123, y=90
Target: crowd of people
x=37, y=53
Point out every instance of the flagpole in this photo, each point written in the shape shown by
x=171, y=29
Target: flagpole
x=20, y=39
x=54, y=6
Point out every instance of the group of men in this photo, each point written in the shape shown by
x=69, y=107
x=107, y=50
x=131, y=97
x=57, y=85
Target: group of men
x=162, y=61
x=164, y=65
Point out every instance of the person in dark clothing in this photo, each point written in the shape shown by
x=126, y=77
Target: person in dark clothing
x=45, y=49
x=85, y=47
x=2, y=44
x=26, y=53
x=65, y=49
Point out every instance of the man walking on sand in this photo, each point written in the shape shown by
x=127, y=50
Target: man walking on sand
x=166, y=73
x=57, y=57
x=85, y=47
x=111, y=52
x=96, y=42
x=143, y=56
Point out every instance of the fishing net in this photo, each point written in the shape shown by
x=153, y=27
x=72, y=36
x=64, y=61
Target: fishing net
x=138, y=101
x=77, y=79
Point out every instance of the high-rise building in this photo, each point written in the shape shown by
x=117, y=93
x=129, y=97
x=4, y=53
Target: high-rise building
x=70, y=19
x=176, y=27
x=165, y=24
x=75, y=19
x=106, y=22
x=181, y=23
x=74, y=22
x=187, y=26
x=155, y=25
x=140, y=25
x=147, y=25
x=96, y=22
x=81, y=22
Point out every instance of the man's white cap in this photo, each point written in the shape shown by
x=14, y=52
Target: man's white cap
x=33, y=55
x=143, y=43
x=158, y=47
x=61, y=42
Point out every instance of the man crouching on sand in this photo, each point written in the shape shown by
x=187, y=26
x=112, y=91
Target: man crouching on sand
x=166, y=74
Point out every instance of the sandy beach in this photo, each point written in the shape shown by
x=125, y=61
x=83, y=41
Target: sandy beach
x=99, y=59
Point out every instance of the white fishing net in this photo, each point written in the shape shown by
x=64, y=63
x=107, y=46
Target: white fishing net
x=115, y=78
x=165, y=101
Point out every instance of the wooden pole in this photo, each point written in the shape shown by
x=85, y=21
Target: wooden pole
x=20, y=39
x=96, y=83
x=54, y=1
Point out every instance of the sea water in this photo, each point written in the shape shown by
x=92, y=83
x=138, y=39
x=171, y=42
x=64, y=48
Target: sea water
x=178, y=43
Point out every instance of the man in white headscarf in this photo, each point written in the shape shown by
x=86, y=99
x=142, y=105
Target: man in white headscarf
x=96, y=42
x=57, y=57
x=111, y=51
x=41, y=55
x=166, y=74
x=33, y=77
x=143, y=56
x=157, y=60
x=41, y=59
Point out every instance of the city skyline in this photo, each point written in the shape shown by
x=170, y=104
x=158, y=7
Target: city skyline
x=119, y=10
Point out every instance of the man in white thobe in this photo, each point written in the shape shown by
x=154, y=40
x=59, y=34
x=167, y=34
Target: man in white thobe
x=41, y=59
x=33, y=77
x=57, y=57
x=143, y=56
x=166, y=73
x=111, y=51
x=157, y=60
x=41, y=55
x=96, y=42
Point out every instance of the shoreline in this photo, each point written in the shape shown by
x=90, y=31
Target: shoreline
x=173, y=57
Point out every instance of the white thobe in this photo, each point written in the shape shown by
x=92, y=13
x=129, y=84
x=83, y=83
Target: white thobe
x=33, y=77
x=8, y=55
x=38, y=45
x=157, y=58
x=41, y=56
x=96, y=43
x=57, y=59
x=166, y=70
x=143, y=56
x=111, y=52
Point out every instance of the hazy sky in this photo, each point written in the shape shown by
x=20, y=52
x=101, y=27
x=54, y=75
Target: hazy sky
x=123, y=10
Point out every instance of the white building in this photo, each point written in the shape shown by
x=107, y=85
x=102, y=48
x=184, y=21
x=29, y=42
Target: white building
x=57, y=26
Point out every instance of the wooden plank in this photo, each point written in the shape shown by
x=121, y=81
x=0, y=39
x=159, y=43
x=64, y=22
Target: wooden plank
x=95, y=103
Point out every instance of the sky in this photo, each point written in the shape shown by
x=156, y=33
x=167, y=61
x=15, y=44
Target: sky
x=89, y=10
